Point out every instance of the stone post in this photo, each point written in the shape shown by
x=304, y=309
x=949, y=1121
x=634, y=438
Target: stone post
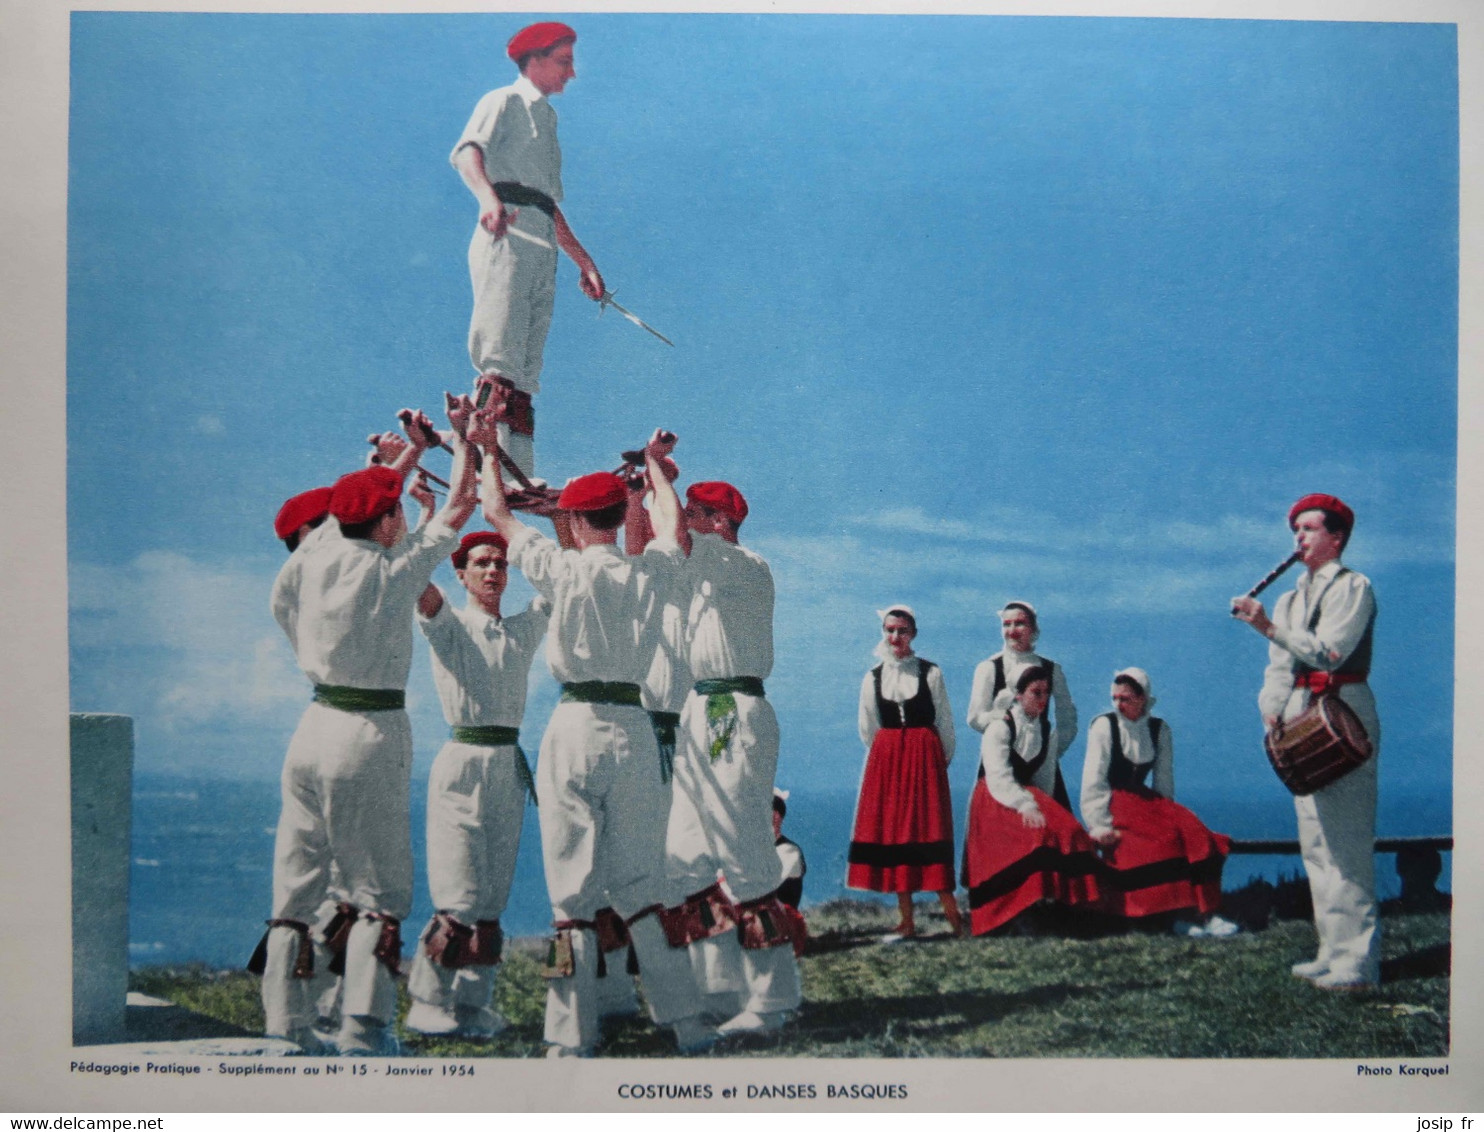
x=102, y=802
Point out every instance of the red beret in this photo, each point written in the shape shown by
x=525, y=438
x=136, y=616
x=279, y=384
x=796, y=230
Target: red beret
x=473, y=539
x=537, y=37
x=718, y=496
x=593, y=492
x=1318, y=501
x=306, y=507
x=366, y=495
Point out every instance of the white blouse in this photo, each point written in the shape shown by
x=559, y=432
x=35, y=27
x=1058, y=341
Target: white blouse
x=900, y=680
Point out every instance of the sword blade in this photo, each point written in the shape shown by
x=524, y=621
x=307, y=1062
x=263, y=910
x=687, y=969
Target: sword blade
x=608, y=301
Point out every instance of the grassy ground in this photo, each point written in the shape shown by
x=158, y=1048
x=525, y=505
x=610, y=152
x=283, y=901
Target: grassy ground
x=1125, y=995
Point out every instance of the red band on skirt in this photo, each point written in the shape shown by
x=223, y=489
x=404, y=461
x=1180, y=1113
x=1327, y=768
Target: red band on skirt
x=1166, y=860
x=1009, y=866
x=903, y=837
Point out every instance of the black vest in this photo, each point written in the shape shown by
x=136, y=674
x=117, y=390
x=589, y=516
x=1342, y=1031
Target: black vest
x=916, y=712
x=1358, y=663
x=1123, y=772
x=999, y=674
x=1025, y=769
x=791, y=891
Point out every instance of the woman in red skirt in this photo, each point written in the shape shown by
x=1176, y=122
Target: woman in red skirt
x=903, y=837
x=1023, y=847
x=1159, y=857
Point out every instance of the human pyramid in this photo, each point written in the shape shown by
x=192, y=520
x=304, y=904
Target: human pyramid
x=654, y=785
x=655, y=782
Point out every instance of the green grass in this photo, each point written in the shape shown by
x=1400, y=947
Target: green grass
x=1128, y=995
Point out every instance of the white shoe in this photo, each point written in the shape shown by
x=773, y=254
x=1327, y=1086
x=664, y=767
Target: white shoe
x=1186, y=928
x=1310, y=970
x=755, y=1022
x=435, y=1021
x=556, y=1052
x=365, y=1037
x=310, y=1042
x=1219, y=928
x=1339, y=981
x=693, y=1035
x=480, y=1023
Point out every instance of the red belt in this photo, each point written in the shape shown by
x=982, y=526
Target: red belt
x=1321, y=682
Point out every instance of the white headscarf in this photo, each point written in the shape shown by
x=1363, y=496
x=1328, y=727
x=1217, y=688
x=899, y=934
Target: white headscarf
x=882, y=651
x=1141, y=678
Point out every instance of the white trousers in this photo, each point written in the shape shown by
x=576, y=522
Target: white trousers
x=514, y=281
x=603, y=808
x=1337, y=835
x=721, y=820
x=345, y=790
x=476, y=807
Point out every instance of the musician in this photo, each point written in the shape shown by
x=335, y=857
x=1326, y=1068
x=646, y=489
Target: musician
x=1159, y=858
x=1023, y=848
x=1321, y=636
x=509, y=158
x=902, y=841
x=994, y=683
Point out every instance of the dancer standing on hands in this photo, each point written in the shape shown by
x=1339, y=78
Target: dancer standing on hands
x=903, y=836
x=509, y=158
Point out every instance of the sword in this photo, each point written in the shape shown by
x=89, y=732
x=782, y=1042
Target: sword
x=607, y=301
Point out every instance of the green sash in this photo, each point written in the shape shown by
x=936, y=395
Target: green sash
x=601, y=692
x=494, y=736
x=360, y=699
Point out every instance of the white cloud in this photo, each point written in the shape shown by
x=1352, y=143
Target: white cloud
x=214, y=653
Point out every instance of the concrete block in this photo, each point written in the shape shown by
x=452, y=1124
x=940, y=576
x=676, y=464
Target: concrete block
x=102, y=802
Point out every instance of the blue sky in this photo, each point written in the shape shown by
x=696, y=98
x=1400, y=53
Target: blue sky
x=971, y=308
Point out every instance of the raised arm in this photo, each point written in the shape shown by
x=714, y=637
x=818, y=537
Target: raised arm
x=463, y=492
x=497, y=513
x=665, y=510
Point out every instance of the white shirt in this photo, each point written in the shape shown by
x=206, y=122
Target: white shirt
x=480, y=663
x=792, y=859
x=1139, y=749
x=900, y=680
x=983, y=710
x=729, y=624
x=1348, y=606
x=606, y=605
x=994, y=757
x=515, y=128
x=347, y=604
x=669, y=679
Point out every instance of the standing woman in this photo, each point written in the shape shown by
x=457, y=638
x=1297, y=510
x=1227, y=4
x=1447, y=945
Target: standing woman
x=1160, y=858
x=1023, y=847
x=995, y=678
x=903, y=837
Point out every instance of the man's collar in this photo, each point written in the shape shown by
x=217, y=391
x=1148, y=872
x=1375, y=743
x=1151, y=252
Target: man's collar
x=528, y=90
x=1327, y=571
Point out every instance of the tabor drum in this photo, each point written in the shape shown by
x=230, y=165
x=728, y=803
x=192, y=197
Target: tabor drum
x=1324, y=743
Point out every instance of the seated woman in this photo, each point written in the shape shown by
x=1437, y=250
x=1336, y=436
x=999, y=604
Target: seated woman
x=903, y=836
x=1158, y=857
x=1023, y=847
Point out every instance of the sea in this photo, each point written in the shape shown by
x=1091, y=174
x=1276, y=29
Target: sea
x=201, y=875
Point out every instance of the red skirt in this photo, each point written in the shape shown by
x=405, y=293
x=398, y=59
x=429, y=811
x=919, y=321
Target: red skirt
x=1009, y=867
x=1166, y=860
x=903, y=836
